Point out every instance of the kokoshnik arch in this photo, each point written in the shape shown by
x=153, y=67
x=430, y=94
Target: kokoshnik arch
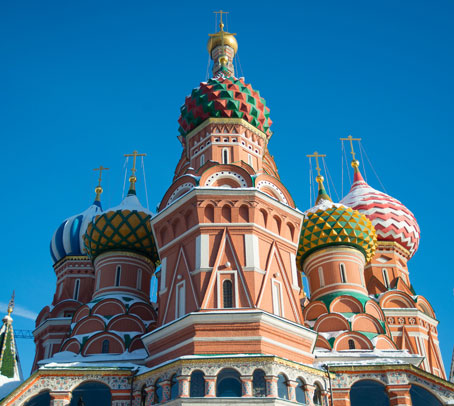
x=228, y=247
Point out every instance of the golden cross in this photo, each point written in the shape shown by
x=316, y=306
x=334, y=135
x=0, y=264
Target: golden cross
x=100, y=169
x=11, y=304
x=351, y=139
x=134, y=154
x=316, y=155
x=221, y=12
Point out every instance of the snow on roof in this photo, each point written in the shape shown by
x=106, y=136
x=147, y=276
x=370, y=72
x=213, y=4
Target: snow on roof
x=7, y=385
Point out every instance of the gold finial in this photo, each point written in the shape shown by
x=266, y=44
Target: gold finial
x=132, y=178
x=11, y=305
x=98, y=188
x=222, y=38
x=355, y=163
x=319, y=177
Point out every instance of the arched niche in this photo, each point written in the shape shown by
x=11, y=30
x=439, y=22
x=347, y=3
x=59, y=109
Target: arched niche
x=422, y=397
x=366, y=391
x=92, y=393
x=41, y=399
x=228, y=384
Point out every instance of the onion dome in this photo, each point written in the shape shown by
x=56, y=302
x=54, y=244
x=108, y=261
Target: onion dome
x=391, y=219
x=68, y=238
x=330, y=224
x=126, y=227
x=224, y=96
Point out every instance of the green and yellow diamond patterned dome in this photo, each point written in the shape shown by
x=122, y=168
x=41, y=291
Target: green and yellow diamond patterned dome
x=329, y=224
x=123, y=228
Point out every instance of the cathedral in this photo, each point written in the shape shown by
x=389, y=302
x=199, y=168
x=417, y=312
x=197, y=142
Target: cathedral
x=233, y=323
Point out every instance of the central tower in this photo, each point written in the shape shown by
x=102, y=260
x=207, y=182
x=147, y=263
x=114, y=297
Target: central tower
x=227, y=230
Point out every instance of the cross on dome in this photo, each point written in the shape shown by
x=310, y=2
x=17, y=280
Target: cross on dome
x=355, y=163
x=132, y=178
x=98, y=188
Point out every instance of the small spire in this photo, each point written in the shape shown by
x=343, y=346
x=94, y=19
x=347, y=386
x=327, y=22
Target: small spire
x=98, y=189
x=222, y=47
x=322, y=195
x=11, y=304
x=132, y=178
x=355, y=163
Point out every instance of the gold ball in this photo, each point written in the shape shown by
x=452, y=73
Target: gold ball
x=98, y=189
x=319, y=178
x=224, y=60
x=132, y=178
x=355, y=164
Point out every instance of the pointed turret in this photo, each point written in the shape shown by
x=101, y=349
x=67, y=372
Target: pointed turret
x=9, y=358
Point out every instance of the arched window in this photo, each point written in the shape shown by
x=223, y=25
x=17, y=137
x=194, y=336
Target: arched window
x=300, y=393
x=351, y=344
x=385, y=278
x=422, y=397
x=362, y=392
x=258, y=384
x=143, y=396
x=282, y=388
x=320, y=277
x=228, y=384
x=76, y=289
x=197, y=385
x=105, y=347
x=202, y=159
x=225, y=156
x=342, y=272
x=42, y=399
x=227, y=293
x=174, y=387
x=317, y=398
x=91, y=393
x=157, y=391
x=118, y=276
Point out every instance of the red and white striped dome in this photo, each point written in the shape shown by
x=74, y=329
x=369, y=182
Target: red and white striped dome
x=391, y=219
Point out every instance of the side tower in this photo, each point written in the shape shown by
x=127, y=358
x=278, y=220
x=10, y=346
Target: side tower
x=227, y=231
x=75, y=281
x=410, y=317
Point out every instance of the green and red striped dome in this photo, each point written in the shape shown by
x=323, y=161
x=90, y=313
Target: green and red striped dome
x=224, y=97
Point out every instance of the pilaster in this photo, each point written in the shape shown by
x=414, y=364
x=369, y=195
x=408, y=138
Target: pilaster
x=183, y=386
x=341, y=396
x=271, y=386
x=60, y=398
x=246, y=386
x=210, y=386
x=399, y=395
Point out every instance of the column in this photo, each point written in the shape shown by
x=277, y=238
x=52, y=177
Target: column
x=341, y=396
x=291, y=390
x=271, y=386
x=210, y=386
x=325, y=398
x=60, y=398
x=183, y=386
x=165, y=391
x=246, y=386
x=309, y=389
x=137, y=394
x=150, y=395
x=399, y=395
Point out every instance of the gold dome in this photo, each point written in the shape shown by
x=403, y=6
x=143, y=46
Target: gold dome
x=222, y=38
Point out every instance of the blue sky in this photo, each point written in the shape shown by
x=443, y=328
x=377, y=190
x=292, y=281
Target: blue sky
x=83, y=82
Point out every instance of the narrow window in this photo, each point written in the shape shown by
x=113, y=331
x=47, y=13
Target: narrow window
x=320, y=276
x=282, y=389
x=180, y=302
x=143, y=396
x=105, y=347
x=249, y=159
x=139, y=279
x=118, y=276
x=174, y=387
x=385, y=278
x=277, y=308
x=227, y=294
x=76, y=289
x=300, y=393
x=351, y=344
x=258, y=384
x=342, y=272
x=225, y=156
x=317, y=398
x=202, y=160
x=197, y=385
x=361, y=273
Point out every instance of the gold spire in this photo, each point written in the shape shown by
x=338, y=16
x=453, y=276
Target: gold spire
x=132, y=178
x=321, y=189
x=98, y=188
x=11, y=305
x=355, y=163
x=222, y=38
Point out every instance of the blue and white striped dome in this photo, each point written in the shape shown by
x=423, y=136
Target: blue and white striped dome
x=68, y=239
